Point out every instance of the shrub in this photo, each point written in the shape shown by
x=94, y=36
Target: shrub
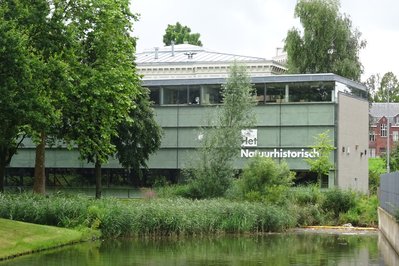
x=264, y=179
x=338, y=201
x=307, y=195
x=377, y=166
x=364, y=213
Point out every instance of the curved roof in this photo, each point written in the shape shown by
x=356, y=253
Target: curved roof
x=187, y=53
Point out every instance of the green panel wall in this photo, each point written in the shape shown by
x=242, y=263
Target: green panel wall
x=289, y=126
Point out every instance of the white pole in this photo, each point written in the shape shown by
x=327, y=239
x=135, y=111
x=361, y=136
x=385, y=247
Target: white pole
x=388, y=170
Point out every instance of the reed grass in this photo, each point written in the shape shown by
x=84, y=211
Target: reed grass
x=152, y=217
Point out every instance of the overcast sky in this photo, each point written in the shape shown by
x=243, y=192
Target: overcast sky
x=258, y=27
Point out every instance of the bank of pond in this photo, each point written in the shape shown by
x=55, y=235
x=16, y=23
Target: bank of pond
x=155, y=215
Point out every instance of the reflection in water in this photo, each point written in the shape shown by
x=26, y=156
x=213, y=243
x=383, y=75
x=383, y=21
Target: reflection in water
x=271, y=249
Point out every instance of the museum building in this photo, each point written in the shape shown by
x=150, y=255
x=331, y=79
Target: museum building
x=185, y=86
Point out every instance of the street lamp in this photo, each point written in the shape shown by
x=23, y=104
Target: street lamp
x=389, y=85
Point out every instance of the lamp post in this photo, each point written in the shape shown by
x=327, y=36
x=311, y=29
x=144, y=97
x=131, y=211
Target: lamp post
x=388, y=135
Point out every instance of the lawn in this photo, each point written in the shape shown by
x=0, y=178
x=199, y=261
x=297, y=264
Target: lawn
x=20, y=238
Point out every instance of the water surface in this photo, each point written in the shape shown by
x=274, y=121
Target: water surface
x=270, y=249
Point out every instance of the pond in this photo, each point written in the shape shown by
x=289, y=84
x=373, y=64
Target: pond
x=295, y=248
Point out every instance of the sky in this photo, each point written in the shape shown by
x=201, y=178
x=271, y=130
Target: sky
x=258, y=27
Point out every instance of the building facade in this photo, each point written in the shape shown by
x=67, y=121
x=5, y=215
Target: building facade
x=380, y=114
x=185, y=85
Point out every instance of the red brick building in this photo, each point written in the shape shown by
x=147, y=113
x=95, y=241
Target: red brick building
x=379, y=112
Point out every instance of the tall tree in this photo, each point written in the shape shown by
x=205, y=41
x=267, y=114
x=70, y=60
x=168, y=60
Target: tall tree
x=180, y=34
x=25, y=103
x=380, y=87
x=212, y=170
x=136, y=140
x=16, y=89
x=45, y=24
x=102, y=96
x=329, y=44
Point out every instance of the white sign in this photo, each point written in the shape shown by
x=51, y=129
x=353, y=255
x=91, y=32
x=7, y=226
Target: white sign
x=249, y=138
x=280, y=153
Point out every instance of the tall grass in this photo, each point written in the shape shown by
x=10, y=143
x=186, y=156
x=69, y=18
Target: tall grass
x=155, y=217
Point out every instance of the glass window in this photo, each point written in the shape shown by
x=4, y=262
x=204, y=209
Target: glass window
x=275, y=92
x=175, y=95
x=212, y=94
x=260, y=93
x=371, y=135
x=383, y=129
x=372, y=152
x=194, y=94
x=395, y=135
x=311, y=92
x=154, y=95
x=351, y=90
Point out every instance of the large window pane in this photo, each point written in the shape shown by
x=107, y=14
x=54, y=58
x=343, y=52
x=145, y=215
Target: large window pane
x=154, y=95
x=310, y=92
x=175, y=95
x=194, y=94
x=275, y=92
x=260, y=93
x=212, y=94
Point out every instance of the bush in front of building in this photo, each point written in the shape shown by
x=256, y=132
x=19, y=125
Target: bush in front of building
x=377, y=167
x=337, y=201
x=363, y=213
x=262, y=179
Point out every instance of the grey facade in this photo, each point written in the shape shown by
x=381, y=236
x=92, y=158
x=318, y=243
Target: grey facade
x=185, y=84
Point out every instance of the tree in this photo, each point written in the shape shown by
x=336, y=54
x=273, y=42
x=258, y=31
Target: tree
x=211, y=171
x=136, y=140
x=329, y=44
x=380, y=87
x=16, y=90
x=180, y=34
x=321, y=164
x=24, y=102
x=48, y=40
x=107, y=82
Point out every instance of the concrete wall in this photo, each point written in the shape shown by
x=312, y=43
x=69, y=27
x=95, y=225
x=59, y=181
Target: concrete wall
x=352, y=143
x=389, y=228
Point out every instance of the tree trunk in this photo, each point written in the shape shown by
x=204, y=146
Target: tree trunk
x=98, y=179
x=39, y=184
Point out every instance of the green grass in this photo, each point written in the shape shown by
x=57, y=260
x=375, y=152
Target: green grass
x=21, y=238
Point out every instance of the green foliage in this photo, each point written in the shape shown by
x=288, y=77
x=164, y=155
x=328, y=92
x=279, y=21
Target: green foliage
x=393, y=159
x=307, y=195
x=154, y=217
x=211, y=170
x=338, y=201
x=363, y=213
x=106, y=81
x=328, y=44
x=377, y=167
x=379, y=88
x=139, y=137
x=262, y=173
x=264, y=179
x=321, y=164
x=180, y=34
